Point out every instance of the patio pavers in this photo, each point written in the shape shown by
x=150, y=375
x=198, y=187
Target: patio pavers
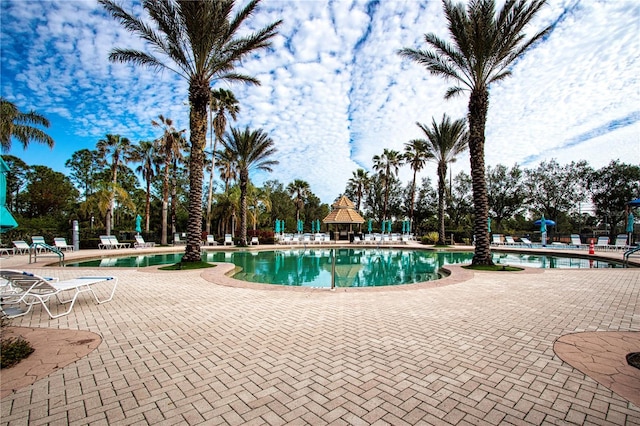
x=178, y=349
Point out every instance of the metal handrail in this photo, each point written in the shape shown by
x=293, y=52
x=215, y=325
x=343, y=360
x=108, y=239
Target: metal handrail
x=625, y=256
x=33, y=250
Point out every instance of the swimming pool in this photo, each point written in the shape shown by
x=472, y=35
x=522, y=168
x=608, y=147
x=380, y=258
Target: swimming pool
x=367, y=267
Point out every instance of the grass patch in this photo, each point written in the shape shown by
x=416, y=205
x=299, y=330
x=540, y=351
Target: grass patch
x=494, y=268
x=187, y=266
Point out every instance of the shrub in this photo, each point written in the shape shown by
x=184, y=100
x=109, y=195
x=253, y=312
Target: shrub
x=430, y=238
x=13, y=349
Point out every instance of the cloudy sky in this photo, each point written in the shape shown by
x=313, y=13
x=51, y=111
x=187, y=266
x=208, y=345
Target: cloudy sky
x=334, y=91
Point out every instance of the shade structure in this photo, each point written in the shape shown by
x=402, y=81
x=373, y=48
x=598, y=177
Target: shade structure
x=343, y=211
x=6, y=218
x=634, y=203
x=548, y=222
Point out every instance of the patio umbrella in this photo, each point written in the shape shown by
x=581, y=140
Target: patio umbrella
x=300, y=225
x=369, y=226
x=277, y=227
x=138, y=224
x=630, y=220
x=6, y=219
x=634, y=203
x=489, y=224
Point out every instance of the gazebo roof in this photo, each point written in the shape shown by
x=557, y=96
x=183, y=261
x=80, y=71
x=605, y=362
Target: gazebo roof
x=344, y=211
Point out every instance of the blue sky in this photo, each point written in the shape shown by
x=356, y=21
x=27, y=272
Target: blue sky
x=334, y=92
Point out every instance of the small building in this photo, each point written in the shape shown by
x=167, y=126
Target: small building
x=342, y=217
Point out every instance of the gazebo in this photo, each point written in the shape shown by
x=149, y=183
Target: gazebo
x=343, y=213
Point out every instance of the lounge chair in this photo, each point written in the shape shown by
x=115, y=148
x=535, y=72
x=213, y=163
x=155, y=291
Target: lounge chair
x=141, y=243
x=526, y=241
x=394, y=239
x=105, y=243
x=368, y=239
x=621, y=242
x=496, y=239
x=21, y=247
x=38, y=243
x=405, y=239
x=306, y=239
x=117, y=244
x=577, y=242
x=602, y=243
x=61, y=244
x=177, y=241
x=228, y=239
x=509, y=240
x=254, y=241
x=36, y=289
x=211, y=241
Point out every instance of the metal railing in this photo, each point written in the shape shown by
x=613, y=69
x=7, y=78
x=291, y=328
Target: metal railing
x=39, y=248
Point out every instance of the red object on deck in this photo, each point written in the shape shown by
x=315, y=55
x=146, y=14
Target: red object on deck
x=591, y=248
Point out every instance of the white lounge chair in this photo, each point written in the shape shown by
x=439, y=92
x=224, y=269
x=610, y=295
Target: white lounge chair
x=211, y=241
x=37, y=242
x=621, y=242
x=177, y=241
x=509, y=240
x=602, y=243
x=36, y=289
x=118, y=244
x=496, y=239
x=577, y=242
x=141, y=243
x=105, y=243
x=228, y=239
x=61, y=244
x=254, y=241
x=526, y=241
x=21, y=247
x=368, y=239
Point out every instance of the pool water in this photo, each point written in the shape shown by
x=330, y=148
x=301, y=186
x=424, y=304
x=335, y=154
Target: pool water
x=353, y=267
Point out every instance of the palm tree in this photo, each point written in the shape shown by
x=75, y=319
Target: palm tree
x=19, y=125
x=145, y=154
x=299, y=190
x=223, y=102
x=198, y=41
x=226, y=167
x=483, y=50
x=119, y=149
x=169, y=147
x=387, y=165
x=445, y=141
x=416, y=156
x=359, y=182
x=250, y=149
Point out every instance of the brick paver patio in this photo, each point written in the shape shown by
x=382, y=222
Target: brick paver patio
x=179, y=349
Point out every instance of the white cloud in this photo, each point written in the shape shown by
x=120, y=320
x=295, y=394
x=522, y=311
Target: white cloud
x=334, y=91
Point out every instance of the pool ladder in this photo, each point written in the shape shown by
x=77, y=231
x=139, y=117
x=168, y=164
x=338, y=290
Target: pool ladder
x=625, y=256
x=35, y=248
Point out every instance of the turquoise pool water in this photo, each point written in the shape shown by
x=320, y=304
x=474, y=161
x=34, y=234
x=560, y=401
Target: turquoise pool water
x=354, y=267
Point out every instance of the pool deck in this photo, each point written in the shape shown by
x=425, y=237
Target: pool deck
x=194, y=347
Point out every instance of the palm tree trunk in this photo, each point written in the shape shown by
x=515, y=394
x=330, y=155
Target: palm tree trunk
x=244, y=179
x=199, y=99
x=210, y=195
x=478, y=106
x=413, y=195
x=442, y=175
x=165, y=203
x=147, y=212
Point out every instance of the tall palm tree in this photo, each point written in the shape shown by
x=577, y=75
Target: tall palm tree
x=299, y=190
x=415, y=156
x=19, y=125
x=169, y=147
x=226, y=167
x=445, y=141
x=387, y=165
x=485, y=45
x=118, y=150
x=251, y=150
x=145, y=154
x=224, y=103
x=359, y=182
x=199, y=41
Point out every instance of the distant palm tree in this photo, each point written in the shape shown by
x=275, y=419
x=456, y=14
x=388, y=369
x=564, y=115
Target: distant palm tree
x=387, y=165
x=145, y=153
x=359, y=182
x=224, y=103
x=299, y=190
x=199, y=41
x=415, y=156
x=19, y=125
x=250, y=149
x=445, y=141
x=226, y=167
x=118, y=150
x=484, y=48
x=169, y=147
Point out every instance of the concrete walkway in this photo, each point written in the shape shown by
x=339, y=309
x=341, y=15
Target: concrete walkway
x=178, y=348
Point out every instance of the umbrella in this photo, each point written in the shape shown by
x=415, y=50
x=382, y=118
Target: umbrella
x=369, y=226
x=548, y=222
x=634, y=203
x=300, y=225
x=489, y=224
x=277, y=230
x=6, y=219
x=138, y=224
x=630, y=223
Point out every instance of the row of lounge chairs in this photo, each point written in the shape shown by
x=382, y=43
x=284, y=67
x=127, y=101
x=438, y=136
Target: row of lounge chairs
x=304, y=239
x=20, y=291
x=378, y=239
x=38, y=243
x=576, y=243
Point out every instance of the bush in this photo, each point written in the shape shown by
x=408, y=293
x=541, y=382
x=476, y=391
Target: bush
x=14, y=349
x=430, y=238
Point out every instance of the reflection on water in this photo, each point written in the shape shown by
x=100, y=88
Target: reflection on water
x=353, y=267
